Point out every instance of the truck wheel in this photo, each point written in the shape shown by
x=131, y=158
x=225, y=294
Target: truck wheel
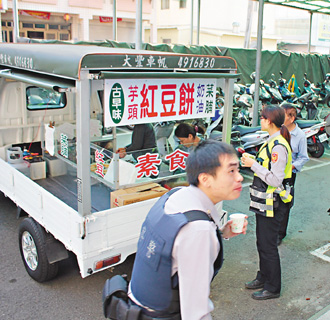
x=319, y=150
x=33, y=251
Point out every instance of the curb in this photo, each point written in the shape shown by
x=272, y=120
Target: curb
x=324, y=314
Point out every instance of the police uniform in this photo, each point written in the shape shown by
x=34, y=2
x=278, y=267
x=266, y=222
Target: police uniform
x=299, y=158
x=195, y=250
x=269, y=195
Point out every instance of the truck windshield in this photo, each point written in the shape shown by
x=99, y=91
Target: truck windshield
x=41, y=98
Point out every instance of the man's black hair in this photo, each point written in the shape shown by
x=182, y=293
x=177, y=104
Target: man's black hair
x=205, y=159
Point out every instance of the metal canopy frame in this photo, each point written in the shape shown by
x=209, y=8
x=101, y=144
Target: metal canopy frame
x=38, y=80
x=312, y=6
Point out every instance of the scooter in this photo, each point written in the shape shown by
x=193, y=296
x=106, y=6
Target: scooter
x=284, y=91
x=324, y=93
x=244, y=112
x=276, y=97
x=306, y=101
x=252, y=138
x=264, y=95
x=316, y=134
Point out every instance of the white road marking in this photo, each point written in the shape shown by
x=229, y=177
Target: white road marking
x=320, y=252
x=315, y=159
x=323, y=164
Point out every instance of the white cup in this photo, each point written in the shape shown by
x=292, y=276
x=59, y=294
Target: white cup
x=247, y=155
x=238, y=222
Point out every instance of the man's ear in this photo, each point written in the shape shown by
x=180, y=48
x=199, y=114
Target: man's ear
x=204, y=179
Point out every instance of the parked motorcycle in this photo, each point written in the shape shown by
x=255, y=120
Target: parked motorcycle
x=276, y=97
x=264, y=95
x=252, y=138
x=316, y=134
x=306, y=102
x=324, y=93
x=284, y=91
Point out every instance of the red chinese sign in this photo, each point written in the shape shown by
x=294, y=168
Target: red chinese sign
x=99, y=163
x=177, y=160
x=37, y=14
x=108, y=19
x=148, y=164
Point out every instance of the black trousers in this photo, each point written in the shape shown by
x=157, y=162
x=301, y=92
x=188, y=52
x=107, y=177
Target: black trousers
x=288, y=206
x=269, y=260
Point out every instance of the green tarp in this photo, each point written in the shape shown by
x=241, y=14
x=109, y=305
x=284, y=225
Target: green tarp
x=272, y=62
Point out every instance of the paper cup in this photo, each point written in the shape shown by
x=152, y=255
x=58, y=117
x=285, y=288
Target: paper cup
x=247, y=155
x=238, y=222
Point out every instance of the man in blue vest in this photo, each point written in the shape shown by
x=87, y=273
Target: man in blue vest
x=180, y=248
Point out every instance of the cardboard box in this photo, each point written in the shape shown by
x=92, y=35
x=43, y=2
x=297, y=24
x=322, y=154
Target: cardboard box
x=127, y=196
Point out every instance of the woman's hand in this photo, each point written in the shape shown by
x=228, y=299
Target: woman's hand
x=247, y=160
x=226, y=229
x=122, y=152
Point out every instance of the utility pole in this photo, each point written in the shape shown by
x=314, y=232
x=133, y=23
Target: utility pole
x=114, y=21
x=16, y=22
x=138, y=25
x=192, y=23
x=249, y=21
x=258, y=64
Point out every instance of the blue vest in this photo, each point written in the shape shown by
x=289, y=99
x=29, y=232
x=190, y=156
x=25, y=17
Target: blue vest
x=152, y=284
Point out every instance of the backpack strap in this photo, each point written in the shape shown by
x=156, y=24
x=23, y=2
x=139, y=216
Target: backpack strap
x=194, y=215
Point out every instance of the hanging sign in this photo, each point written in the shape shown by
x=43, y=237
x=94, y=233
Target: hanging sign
x=3, y=5
x=37, y=14
x=132, y=101
x=108, y=19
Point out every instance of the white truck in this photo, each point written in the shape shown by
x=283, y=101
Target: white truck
x=63, y=113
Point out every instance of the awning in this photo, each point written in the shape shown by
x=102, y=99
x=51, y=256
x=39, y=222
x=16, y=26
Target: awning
x=38, y=80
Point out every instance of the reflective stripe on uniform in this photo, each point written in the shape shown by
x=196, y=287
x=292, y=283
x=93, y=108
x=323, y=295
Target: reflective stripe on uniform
x=261, y=206
x=260, y=194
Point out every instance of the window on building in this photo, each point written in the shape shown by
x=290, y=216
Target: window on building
x=28, y=25
x=165, y=4
x=35, y=35
x=41, y=98
x=166, y=40
x=53, y=27
x=182, y=4
x=64, y=36
x=39, y=26
x=50, y=36
x=4, y=36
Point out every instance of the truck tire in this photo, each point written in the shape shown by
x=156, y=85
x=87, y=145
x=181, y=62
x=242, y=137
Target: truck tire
x=319, y=151
x=32, y=239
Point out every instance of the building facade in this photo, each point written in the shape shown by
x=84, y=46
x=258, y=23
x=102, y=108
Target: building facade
x=76, y=20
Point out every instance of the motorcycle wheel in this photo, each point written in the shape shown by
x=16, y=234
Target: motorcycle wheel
x=319, y=150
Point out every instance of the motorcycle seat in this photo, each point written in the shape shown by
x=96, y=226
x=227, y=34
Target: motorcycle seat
x=306, y=123
x=245, y=129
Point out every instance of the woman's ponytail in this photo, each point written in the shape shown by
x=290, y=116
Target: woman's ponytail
x=286, y=134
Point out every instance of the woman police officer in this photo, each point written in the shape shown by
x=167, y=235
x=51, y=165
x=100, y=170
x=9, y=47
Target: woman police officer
x=270, y=194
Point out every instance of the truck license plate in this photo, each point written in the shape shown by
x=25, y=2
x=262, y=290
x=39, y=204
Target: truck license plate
x=323, y=137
